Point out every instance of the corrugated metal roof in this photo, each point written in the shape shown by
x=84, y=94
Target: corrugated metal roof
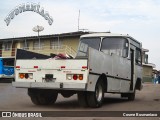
x=70, y=34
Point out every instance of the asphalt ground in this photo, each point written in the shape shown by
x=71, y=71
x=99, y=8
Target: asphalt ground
x=16, y=99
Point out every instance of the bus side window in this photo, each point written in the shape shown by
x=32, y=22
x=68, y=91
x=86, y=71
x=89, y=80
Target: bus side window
x=125, y=49
x=138, y=57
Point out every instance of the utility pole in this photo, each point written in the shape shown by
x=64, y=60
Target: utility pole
x=38, y=29
x=78, y=19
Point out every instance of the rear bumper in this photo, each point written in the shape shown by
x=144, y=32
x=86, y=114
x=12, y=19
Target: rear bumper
x=58, y=86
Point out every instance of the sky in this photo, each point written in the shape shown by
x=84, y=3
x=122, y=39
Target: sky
x=138, y=18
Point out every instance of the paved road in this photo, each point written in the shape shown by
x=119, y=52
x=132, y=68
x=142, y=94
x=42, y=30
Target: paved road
x=16, y=99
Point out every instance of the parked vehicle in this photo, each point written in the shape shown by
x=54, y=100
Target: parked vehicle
x=105, y=63
x=7, y=67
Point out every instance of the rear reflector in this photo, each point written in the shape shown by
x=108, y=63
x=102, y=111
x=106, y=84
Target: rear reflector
x=35, y=66
x=17, y=66
x=84, y=67
x=63, y=66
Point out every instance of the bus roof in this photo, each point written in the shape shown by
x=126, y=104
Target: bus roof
x=103, y=34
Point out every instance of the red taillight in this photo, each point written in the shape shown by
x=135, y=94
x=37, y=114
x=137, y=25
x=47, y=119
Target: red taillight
x=17, y=66
x=63, y=66
x=75, y=77
x=84, y=67
x=35, y=66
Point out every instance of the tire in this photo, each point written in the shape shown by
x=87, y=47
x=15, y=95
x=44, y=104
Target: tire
x=35, y=100
x=42, y=97
x=95, y=99
x=82, y=99
x=46, y=99
x=131, y=96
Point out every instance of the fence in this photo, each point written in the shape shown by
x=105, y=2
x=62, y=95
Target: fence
x=47, y=50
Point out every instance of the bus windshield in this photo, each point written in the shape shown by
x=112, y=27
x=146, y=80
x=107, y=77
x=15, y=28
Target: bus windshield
x=115, y=45
x=93, y=42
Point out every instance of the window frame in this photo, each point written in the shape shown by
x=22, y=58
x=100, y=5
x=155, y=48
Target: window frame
x=26, y=45
x=41, y=45
x=6, y=46
x=137, y=61
x=55, y=43
x=100, y=40
x=127, y=41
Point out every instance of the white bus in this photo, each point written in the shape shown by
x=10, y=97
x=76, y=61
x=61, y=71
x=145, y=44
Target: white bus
x=105, y=63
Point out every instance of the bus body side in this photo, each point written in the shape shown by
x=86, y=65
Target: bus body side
x=116, y=59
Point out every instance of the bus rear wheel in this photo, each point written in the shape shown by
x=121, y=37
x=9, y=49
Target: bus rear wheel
x=82, y=99
x=42, y=97
x=95, y=99
x=131, y=96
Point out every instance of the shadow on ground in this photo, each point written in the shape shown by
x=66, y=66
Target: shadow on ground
x=73, y=104
x=6, y=80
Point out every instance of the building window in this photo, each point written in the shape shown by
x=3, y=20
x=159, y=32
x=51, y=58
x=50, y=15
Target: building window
x=36, y=45
x=6, y=46
x=56, y=44
x=26, y=45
